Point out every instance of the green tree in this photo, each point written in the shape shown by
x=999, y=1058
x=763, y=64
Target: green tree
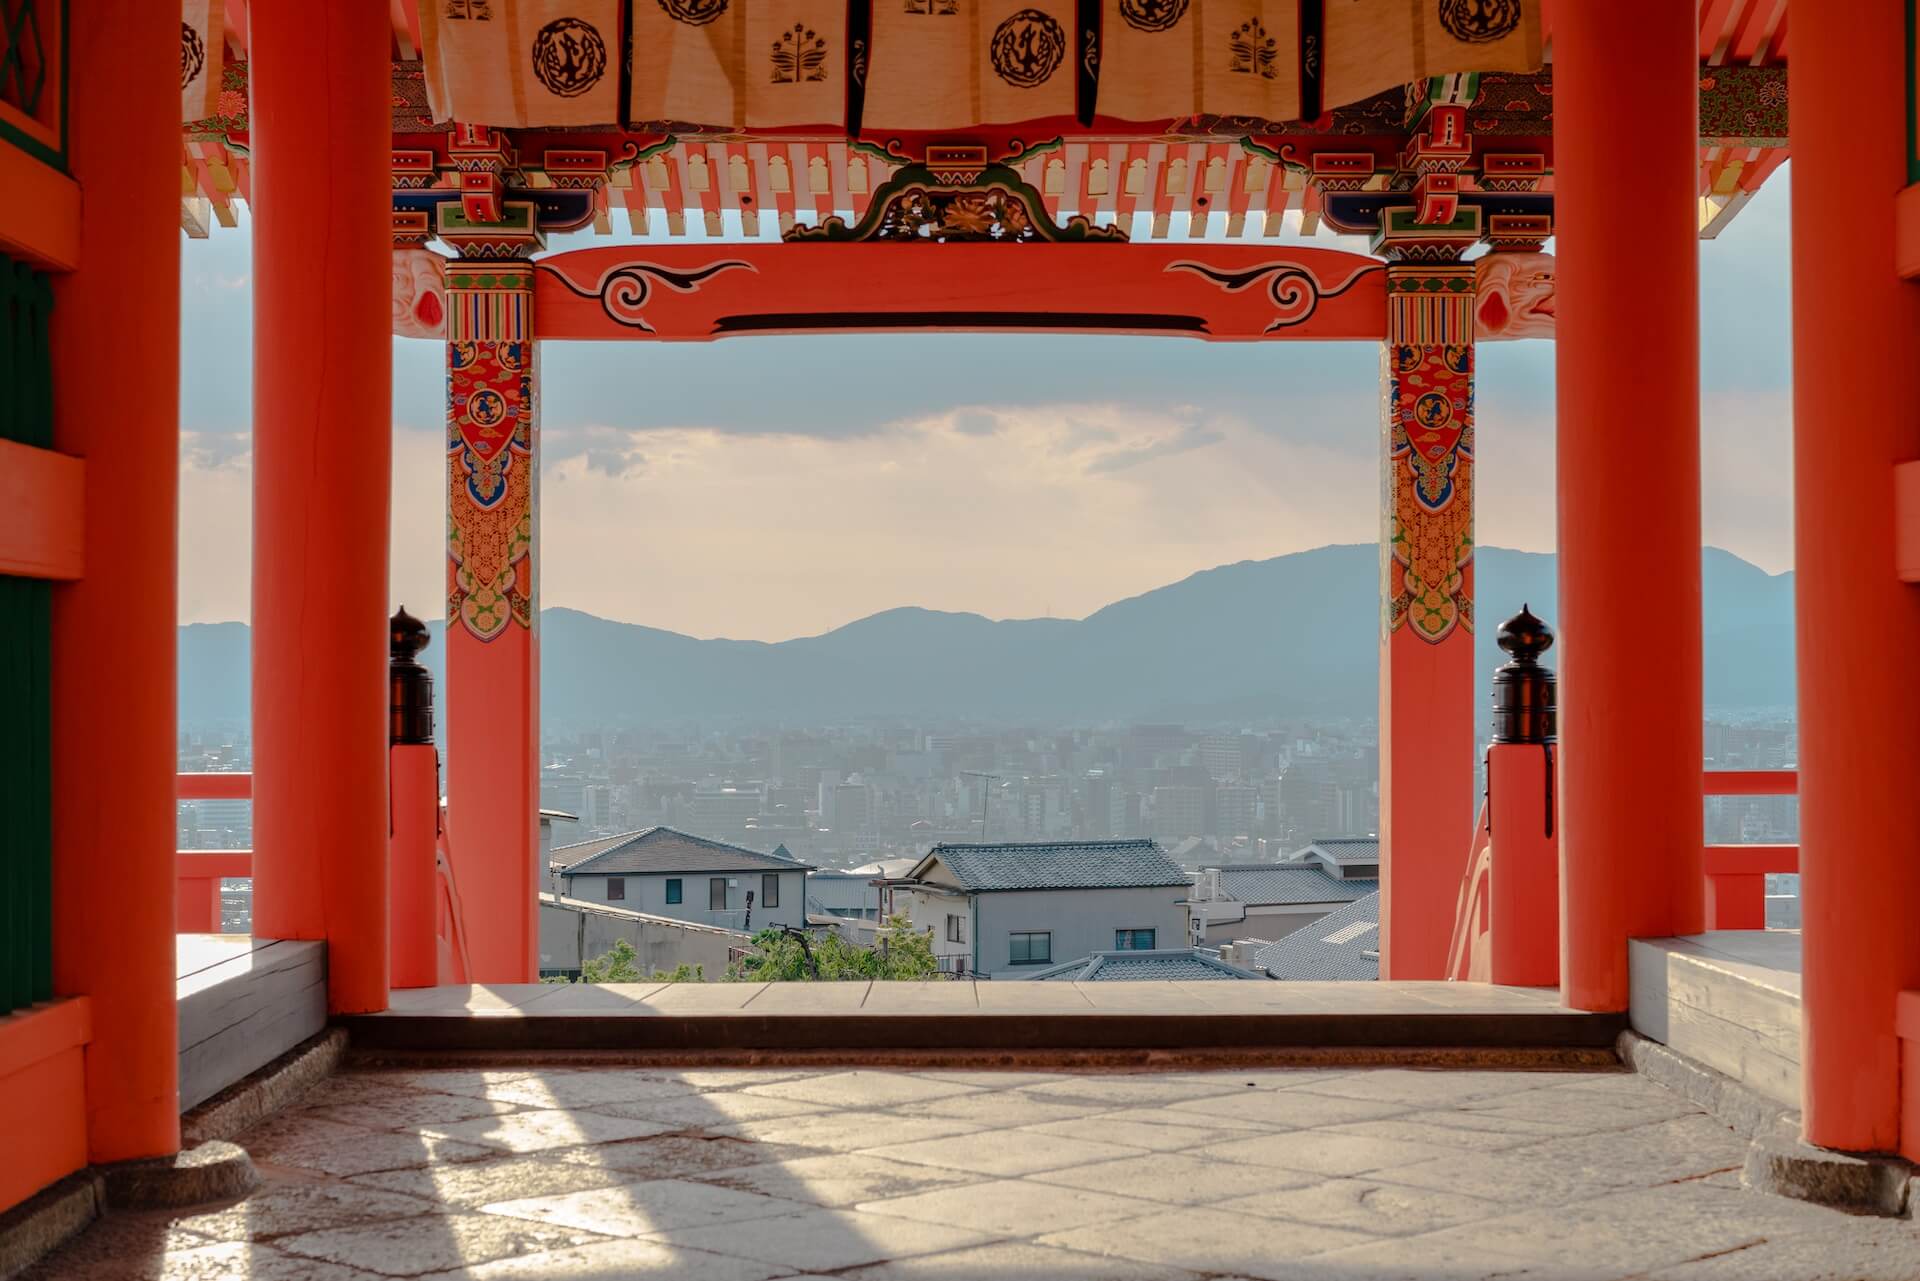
x=621, y=964
x=778, y=956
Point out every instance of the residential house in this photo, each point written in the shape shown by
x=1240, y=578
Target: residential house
x=1185, y=964
x=1268, y=901
x=1009, y=910
x=663, y=872
x=1342, y=945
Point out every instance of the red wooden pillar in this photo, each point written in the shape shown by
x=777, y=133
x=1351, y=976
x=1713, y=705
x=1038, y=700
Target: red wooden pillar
x=1856, y=327
x=321, y=86
x=493, y=654
x=1426, y=639
x=1626, y=176
x=115, y=337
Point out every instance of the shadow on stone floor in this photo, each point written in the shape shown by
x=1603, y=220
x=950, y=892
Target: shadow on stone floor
x=755, y=1174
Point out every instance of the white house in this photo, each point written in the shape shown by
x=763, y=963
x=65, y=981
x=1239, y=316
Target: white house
x=663, y=872
x=1011, y=910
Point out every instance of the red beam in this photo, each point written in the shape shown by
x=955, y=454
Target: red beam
x=1752, y=782
x=215, y=787
x=1751, y=860
x=213, y=863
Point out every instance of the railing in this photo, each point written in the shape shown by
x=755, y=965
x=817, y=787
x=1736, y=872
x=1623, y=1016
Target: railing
x=1737, y=874
x=199, y=872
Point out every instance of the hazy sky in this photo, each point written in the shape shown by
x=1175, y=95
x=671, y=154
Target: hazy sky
x=780, y=486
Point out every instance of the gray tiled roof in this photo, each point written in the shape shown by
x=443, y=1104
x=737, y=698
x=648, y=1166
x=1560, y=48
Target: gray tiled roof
x=1288, y=883
x=662, y=849
x=1056, y=865
x=1346, y=849
x=1333, y=947
x=1184, y=963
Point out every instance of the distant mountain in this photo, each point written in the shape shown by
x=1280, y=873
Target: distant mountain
x=1295, y=635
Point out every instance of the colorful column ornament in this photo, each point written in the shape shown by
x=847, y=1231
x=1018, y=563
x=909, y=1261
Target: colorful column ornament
x=1426, y=657
x=493, y=678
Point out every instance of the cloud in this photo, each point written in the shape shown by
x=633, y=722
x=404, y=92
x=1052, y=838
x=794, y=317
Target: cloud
x=777, y=486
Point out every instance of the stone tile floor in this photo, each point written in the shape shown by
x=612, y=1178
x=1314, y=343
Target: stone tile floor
x=593, y=1174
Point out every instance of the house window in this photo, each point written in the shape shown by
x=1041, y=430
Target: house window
x=717, y=893
x=673, y=889
x=1030, y=949
x=1133, y=940
x=956, y=928
x=770, y=889
x=616, y=889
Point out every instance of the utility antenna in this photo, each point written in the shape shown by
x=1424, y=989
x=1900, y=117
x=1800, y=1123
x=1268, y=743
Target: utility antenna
x=991, y=778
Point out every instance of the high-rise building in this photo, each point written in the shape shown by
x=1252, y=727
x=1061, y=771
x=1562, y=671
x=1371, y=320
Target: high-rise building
x=1179, y=811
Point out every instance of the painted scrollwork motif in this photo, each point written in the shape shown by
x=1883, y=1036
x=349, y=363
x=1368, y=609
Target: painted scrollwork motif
x=1027, y=48
x=569, y=57
x=1479, y=21
x=193, y=55
x=695, y=13
x=623, y=291
x=1153, y=15
x=1296, y=292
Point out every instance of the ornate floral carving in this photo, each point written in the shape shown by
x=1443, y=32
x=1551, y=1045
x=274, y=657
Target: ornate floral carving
x=992, y=203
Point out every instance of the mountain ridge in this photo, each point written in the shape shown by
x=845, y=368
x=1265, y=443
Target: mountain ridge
x=1293, y=635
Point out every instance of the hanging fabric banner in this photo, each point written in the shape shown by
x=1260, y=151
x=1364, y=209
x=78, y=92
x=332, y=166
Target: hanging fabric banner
x=768, y=65
x=1248, y=63
x=1148, y=52
x=1376, y=45
x=945, y=65
x=939, y=62
x=522, y=62
x=689, y=62
x=203, y=44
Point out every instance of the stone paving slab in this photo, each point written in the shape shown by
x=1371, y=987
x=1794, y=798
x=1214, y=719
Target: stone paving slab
x=1246, y=1174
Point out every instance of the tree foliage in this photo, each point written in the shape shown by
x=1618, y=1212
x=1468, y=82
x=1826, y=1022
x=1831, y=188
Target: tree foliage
x=779, y=956
x=621, y=964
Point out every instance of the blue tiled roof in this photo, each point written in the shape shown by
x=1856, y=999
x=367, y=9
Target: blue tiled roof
x=1143, y=966
x=1261, y=883
x=1056, y=865
x=1333, y=947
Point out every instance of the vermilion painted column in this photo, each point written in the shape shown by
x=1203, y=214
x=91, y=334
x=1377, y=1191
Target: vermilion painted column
x=321, y=85
x=1426, y=656
x=1856, y=328
x=116, y=368
x=492, y=699
x=1626, y=176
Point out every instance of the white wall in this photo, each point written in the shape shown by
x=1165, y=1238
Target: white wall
x=1082, y=922
x=648, y=893
x=566, y=933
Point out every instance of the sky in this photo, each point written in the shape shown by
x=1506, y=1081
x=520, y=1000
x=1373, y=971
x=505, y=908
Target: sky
x=770, y=487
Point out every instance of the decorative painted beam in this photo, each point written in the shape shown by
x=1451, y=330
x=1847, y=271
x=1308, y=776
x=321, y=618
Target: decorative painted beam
x=693, y=293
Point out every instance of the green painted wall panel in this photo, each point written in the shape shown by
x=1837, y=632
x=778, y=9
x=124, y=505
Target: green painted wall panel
x=26, y=654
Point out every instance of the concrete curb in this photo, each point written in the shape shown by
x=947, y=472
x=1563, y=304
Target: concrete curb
x=1741, y=1109
x=211, y=1172
x=47, y=1220
x=1777, y=1161
x=258, y=1095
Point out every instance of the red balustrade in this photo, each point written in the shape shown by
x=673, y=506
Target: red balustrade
x=198, y=873
x=1737, y=874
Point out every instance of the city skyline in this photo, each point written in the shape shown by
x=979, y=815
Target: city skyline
x=1010, y=476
